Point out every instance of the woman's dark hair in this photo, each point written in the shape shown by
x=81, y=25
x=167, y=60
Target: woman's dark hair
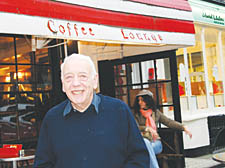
x=150, y=103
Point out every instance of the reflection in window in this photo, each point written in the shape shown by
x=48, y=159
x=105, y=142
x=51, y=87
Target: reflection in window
x=41, y=56
x=25, y=86
x=7, y=73
x=23, y=49
x=7, y=53
x=44, y=78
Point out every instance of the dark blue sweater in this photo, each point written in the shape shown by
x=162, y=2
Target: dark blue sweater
x=107, y=139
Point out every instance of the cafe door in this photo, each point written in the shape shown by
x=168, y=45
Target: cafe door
x=157, y=72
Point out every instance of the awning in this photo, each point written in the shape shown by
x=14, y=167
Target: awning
x=146, y=22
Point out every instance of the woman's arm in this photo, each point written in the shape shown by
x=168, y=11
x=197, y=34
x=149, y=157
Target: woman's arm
x=172, y=124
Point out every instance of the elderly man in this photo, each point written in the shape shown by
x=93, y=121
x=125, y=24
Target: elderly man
x=88, y=130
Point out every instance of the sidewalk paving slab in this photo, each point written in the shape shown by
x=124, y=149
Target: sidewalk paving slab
x=202, y=162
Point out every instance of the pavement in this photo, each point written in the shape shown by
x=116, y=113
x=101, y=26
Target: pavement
x=205, y=161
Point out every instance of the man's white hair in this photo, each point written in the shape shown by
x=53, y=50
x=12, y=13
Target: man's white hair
x=79, y=57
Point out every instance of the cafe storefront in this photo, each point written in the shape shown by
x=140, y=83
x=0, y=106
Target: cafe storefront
x=136, y=38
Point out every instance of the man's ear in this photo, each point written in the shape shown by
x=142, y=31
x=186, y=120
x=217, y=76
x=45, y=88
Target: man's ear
x=95, y=82
x=63, y=89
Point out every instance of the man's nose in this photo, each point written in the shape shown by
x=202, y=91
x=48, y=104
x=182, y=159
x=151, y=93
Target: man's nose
x=76, y=81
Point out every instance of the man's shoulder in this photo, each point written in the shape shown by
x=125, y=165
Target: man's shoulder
x=57, y=109
x=109, y=102
x=109, y=99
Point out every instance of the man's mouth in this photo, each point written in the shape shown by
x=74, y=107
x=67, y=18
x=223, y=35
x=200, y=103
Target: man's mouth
x=76, y=92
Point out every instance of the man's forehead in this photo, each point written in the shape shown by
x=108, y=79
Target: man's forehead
x=78, y=66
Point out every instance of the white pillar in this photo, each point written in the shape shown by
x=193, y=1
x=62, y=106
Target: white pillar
x=205, y=69
x=187, y=80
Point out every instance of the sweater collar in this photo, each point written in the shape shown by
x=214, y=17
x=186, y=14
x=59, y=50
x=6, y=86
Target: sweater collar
x=95, y=102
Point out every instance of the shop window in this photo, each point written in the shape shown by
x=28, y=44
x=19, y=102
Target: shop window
x=195, y=75
x=197, y=79
x=25, y=88
x=215, y=75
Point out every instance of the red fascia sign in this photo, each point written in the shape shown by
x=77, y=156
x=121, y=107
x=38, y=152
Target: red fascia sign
x=79, y=30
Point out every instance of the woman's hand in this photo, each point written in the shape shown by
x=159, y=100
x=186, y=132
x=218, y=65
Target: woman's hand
x=187, y=132
x=153, y=132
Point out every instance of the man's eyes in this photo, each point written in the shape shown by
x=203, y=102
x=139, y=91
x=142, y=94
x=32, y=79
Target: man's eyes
x=67, y=78
x=80, y=77
x=83, y=77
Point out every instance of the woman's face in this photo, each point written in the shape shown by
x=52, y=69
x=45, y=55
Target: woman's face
x=141, y=103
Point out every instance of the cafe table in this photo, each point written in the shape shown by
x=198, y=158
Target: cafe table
x=219, y=156
x=14, y=160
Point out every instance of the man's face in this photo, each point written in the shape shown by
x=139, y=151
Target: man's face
x=79, y=83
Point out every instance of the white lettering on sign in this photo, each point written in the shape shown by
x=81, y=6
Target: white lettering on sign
x=70, y=29
x=133, y=35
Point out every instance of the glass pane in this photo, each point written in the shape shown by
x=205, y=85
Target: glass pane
x=7, y=73
x=44, y=78
x=42, y=56
x=6, y=106
x=26, y=87
x=163, y=69
x=121, y=93
x=164, y=94
x=165, y=91
x=8, y=125
x=27, y=124
x=27, y=115
x=135, y=73
x=24, y=51
x=133, y=93
x=199, y=90
x=6, y=101
x=168, y=111
x=148, y=71
x=120, y=75
x=43, y=102
x=8, y=111
x=215, y=74
x=7, y=53
x=25, y=73
x=5, y=88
